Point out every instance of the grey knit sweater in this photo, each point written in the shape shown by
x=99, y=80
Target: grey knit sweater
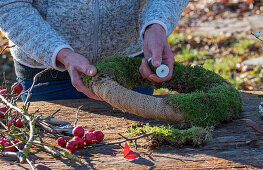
x=93, y=28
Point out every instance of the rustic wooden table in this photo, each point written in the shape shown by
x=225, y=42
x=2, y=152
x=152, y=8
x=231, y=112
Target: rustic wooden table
x=232, y=145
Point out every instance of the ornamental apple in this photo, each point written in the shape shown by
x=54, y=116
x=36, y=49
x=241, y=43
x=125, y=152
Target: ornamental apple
x=79, y=140
x=72, y=145
x=6, y=144
x=99, y=135
x=78, y=131
x=17, y=88
x=61, y=141
x=90, y=138
x=2, y=141
x=3, y=110
x=18, y=123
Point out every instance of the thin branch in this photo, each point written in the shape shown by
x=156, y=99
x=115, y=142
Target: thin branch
x=7, y=48
x=26, y=91
x=33, y=84
x=13, y=145
x=10, y=105
x=122, y=136
x=256, y=37
x=30, y=163
x=18, y=155
x=76, y=121
x=52, y=115
x=35, y=112
x=55, y=152
x=125, y=140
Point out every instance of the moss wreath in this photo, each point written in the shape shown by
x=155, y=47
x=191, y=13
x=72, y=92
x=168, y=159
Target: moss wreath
x=205, y=98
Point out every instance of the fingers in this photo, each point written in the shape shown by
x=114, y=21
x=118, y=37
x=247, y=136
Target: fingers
x=78, y=84
x=157, y=51
x=167, y=58
x=87, y=69
x=76, y=70
x=147, y=73
x=77, y=65
x=145, y=69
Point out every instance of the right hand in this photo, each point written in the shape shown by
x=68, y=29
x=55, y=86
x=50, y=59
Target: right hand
x=77, y=65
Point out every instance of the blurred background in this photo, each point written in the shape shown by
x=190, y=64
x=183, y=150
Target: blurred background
x=213, y=33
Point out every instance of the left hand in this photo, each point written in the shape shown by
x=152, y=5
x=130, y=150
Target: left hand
x=156, y=47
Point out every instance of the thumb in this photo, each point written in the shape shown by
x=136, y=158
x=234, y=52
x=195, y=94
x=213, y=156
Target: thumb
x=157, y=56
x=89, y=70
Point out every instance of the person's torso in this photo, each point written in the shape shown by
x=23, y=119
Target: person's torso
x=95, y=28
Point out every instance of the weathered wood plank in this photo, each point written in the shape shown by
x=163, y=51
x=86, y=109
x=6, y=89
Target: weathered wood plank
x=234, y=144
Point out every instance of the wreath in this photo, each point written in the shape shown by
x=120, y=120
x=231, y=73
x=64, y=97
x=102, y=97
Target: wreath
x=205, y=99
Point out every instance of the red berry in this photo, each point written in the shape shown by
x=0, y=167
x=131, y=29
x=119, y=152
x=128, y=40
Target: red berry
x=18, y=123
x=78, y=131
x=4, y=91
x=99, y=135
x=6, y=144
x=17, y=88
x=61, y=141
x=72, y=145
x=3, y=110
x=91, y=130
x=79, y=140
x=90, y=138
x=2, y=141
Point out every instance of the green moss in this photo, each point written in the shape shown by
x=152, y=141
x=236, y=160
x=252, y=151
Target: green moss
x=167, y=135
x=124, y=70
x=208, y=100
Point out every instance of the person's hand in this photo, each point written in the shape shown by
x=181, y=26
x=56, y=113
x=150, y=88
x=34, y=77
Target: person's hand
x=77, y=65
x=156, y=47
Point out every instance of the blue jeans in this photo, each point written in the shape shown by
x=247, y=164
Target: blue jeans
x=62, y=90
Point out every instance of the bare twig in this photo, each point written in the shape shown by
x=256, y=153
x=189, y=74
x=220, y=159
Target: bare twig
x=47, y=128
x=256, y=37
x=55, y=152
x=10, y=105
x=35, y=112
x=3, y=125
x=33, y=84
x=76, y=121
x=52, y=115
x=14, y=145
x=18, y=155
x=30, y=163
x=125, y=140
x=26, y=91
x=122, y=136
x=256, y=127
x=4, y=78
x=7, y=48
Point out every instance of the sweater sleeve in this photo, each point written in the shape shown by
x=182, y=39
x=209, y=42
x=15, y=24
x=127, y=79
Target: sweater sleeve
x=164, y=12
x=21, y=23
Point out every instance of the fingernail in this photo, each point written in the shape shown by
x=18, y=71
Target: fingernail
x=91, y=71
x=156, y=63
